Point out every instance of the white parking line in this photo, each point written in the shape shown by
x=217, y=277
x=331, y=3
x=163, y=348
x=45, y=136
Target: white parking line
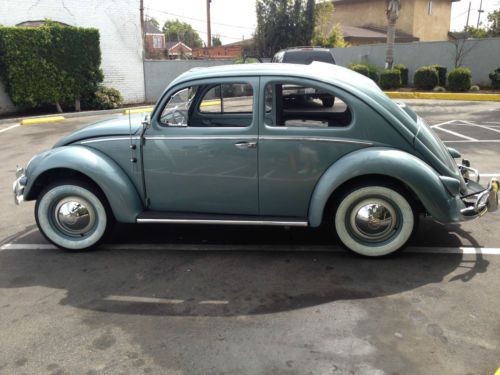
x=474, y=141
x=8, y=128
x=456, y=134
x=237, y=247
x=166, y=301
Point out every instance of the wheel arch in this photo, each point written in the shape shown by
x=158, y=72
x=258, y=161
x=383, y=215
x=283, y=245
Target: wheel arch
x=411, y=174
x=89, y=165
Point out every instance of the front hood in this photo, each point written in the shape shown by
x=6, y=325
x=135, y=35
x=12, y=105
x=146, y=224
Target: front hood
x=116, y=126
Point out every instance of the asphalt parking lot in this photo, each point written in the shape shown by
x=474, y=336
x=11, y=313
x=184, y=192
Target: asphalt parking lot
x=218, y=300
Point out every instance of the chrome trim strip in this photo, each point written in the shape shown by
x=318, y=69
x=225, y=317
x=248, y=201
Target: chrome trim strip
x=312, y=139
x=226, y=222
x=202, y=137
x=108, y=139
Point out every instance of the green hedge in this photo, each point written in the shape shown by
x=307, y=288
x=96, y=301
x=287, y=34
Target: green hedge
x=371, y=71
x=441, y=71
x=460, y=80
x=403, y=70
x=51, y=64
x=495, y=79
x=390, y=79
x=425, y=78
x=359, y=68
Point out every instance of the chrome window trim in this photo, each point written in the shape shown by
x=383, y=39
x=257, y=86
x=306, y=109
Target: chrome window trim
x=226, y=222
x=312, y=139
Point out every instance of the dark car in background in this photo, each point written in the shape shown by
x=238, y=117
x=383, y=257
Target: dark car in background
x=305, y=56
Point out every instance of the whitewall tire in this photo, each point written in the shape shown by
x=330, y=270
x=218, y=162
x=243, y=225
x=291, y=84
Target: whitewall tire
x=72, y=215
x=374, y=220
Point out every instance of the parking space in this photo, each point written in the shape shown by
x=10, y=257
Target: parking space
x=211, y=300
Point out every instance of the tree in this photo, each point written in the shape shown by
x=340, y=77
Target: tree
x=494, y=23
x=153, y=22
x=216, y=42
x=476, y=32
x=324, y=34
x=283, y=23
x=393, y=7
x=177, y=31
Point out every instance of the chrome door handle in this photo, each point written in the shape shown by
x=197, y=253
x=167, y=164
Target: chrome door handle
x=244, y=145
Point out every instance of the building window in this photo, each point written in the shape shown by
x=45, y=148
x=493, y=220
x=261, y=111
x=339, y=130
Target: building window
x=157, y=41
x=429, y=8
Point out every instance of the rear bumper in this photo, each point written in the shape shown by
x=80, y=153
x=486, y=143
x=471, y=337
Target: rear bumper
x=481, y=200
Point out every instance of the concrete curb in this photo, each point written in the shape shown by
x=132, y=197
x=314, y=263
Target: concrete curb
x=444, y=96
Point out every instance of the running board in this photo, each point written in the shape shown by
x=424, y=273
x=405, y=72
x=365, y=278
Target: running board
x=158, y=217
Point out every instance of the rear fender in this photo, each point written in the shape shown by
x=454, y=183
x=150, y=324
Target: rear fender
x=402, y=166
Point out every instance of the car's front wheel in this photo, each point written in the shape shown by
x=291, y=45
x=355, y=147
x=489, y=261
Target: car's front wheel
x=73, y=215
x=374, y=220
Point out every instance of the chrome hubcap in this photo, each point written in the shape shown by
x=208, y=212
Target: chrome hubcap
x=74, y=216
x=373, y=220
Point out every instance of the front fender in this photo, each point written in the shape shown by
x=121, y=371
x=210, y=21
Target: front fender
x=422, y=179
x=121, y=193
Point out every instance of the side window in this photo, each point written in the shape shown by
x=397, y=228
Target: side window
x=176, y=111
x=305, y=106
x=228, y=98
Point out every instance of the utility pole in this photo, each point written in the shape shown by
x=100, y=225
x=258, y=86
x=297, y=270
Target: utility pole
x=468, y=16
x=209, y=33
x=479, y=13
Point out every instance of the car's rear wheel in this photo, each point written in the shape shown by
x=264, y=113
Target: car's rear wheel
x=374, y=220
x=73, y=215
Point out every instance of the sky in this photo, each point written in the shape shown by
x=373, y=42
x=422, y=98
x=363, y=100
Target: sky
x=235, y=19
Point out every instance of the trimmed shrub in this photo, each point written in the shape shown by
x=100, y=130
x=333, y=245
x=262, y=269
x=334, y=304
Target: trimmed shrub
x=359, y=68
x=425, y=78
x=373, y=73
x=51, y=64
x=403, y=70
x=390, y=79
x=439, y=89
x=460, y=80
x=441, y=71
x=495, y=79
x=475, y=88
x=104, y=98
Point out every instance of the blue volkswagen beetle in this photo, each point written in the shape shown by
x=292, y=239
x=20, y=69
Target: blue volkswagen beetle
x=249, y=145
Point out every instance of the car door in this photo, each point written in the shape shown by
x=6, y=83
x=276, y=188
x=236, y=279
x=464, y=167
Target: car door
x=200, y=153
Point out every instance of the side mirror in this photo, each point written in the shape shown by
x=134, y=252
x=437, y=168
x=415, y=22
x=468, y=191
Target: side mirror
x=146, y=121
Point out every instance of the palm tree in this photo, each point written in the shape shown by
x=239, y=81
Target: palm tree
x=392, y=11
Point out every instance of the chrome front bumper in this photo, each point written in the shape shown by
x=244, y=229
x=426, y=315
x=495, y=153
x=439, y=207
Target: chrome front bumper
x=479, y=203
x=18, y=186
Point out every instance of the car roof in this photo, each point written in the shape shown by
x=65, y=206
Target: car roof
x=321, y=71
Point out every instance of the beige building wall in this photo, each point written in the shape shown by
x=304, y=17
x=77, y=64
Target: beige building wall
x=414, y=18
x=434, y=26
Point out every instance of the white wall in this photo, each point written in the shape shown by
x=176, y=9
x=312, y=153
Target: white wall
x=119, y=27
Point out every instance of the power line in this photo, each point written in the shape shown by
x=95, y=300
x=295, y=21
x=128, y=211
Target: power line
x=200, y=20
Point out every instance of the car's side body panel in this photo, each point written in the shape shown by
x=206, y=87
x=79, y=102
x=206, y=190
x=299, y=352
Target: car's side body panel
x=116, y=185
x=423, y=181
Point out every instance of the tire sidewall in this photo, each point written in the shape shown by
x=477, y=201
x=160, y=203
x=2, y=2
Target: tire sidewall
x=406, y=220
x=45, y=204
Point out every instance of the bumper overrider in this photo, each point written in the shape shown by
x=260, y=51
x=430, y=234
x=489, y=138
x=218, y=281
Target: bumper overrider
x=18, y=185
x=479, y=200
